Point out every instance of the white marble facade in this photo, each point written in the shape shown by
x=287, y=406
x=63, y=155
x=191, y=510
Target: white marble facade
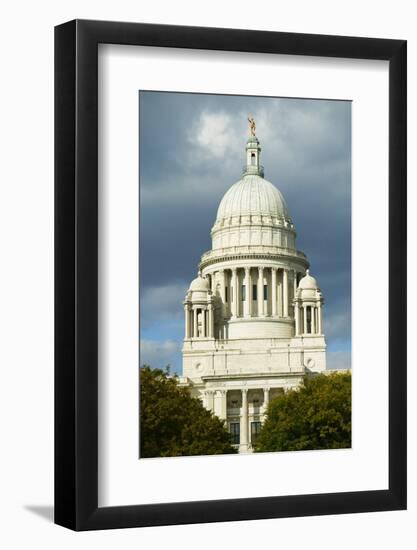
x=253, y=315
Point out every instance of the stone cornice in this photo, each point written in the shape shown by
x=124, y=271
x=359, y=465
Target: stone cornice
x=252, y=376
x=219, y=226
x=213, y=257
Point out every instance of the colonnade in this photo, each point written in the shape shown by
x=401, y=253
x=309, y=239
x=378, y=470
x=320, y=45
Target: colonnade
x=308, y=319
x=199, y=320
x=216, y=401
x=255, y=291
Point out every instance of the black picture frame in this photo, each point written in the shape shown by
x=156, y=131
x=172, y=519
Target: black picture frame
x=76, y=272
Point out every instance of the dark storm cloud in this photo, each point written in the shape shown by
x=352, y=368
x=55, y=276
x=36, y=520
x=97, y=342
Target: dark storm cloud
x=192, y=151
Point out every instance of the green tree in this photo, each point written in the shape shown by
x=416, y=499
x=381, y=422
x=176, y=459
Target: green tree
x=316, y=416
x=172, y=423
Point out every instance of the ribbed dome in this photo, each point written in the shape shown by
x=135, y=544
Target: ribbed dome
x=253, y=212
x=308, y=282
x=252, y=195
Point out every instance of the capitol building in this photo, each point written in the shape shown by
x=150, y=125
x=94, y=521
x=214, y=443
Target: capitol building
x=254, y=314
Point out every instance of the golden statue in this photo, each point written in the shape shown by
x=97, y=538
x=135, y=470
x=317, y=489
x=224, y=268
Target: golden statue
x=252, y=126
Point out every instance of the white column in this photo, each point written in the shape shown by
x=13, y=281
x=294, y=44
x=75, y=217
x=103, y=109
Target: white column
x=246, y=310
x=285, y=292
x=297, y=318
x=210, y=321
x=260, y=292
x=213, y=282
x=313, y=320
x=279, y=298
x=195, y=327
x=187, y=320
x=249, y=293
x=244, y=420
x=209, y=400
x=203, y=323
x=319, y=318
x=294, y=291
x=237, y=294
x=228, y=283
x=223, y=291
x=218, y=403
x=274, y=291
x=223, y=405
x=305, y=319
x=233, y=292
x=266, y=400
x=190, y=322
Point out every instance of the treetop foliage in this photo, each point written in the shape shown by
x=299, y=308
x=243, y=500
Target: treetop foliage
x=316, y=416
x=173, y=423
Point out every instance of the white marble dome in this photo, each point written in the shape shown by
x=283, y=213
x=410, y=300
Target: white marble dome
x=253, y=212
x=252, y=196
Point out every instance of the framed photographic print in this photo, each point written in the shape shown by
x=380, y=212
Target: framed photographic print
x=230, y=275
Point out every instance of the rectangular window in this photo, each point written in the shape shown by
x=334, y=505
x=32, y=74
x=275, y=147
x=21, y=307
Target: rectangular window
x=255, y=429
x=243, y=293
x=226, y=293
x=254, y=292
x=265, y=292
x=235, y=433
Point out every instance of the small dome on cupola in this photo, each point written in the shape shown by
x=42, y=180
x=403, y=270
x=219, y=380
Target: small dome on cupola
x=199, y=291
x=199, y=284
x=308, y=282
x=308, y=289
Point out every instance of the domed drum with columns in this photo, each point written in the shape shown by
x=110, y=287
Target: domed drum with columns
x=253, y=316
